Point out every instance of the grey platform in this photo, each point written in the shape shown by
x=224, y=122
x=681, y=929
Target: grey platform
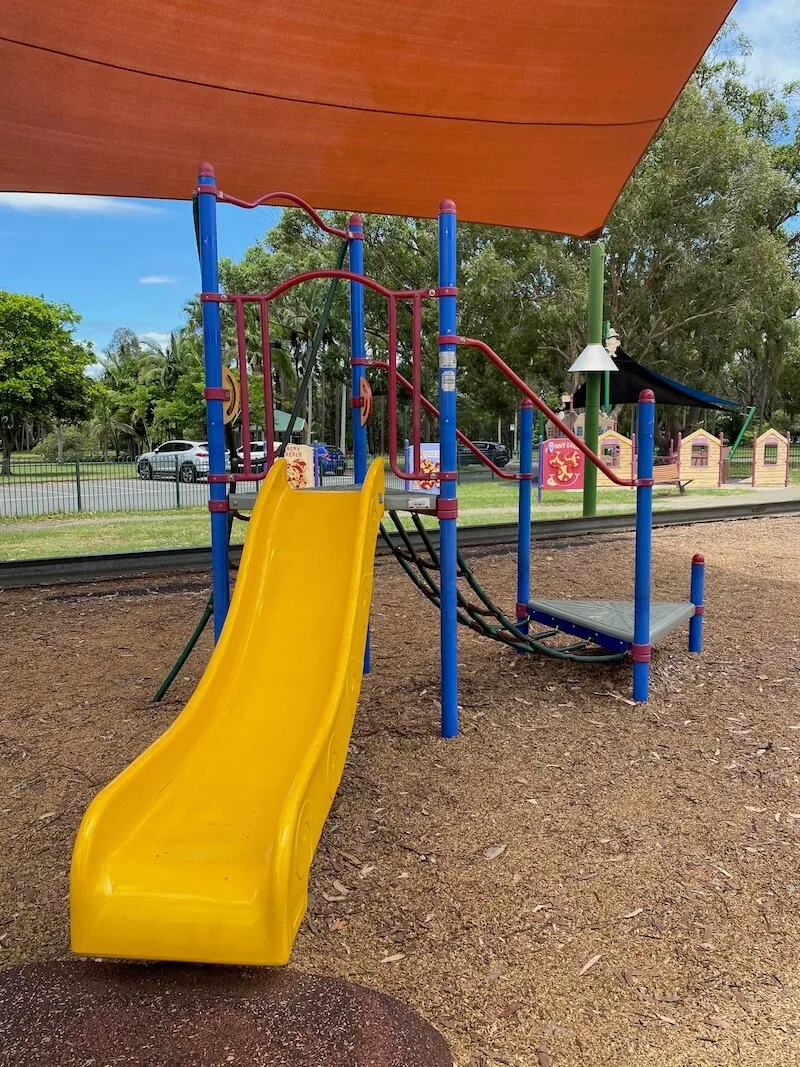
x=394, y=499
x=609, y=622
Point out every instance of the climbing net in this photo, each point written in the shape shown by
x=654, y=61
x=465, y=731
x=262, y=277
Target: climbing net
x=484, y=617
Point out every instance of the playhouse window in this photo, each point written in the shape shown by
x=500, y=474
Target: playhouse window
x=771, y=455
x=611, y=454
x=700, y=454
x=579, y=431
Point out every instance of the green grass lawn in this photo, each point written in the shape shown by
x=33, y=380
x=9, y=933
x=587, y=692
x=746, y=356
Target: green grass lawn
x=480, y=503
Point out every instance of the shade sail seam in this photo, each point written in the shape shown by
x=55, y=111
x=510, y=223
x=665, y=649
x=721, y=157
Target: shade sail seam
x=178, y=79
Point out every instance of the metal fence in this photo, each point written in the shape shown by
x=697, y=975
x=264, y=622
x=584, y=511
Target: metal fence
x=740, y=467
x=35, y=489
x=39, y=489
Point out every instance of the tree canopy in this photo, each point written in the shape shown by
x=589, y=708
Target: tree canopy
x=42, y=366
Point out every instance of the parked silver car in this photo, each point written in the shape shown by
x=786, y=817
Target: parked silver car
x=258, y=454
x=187, y=459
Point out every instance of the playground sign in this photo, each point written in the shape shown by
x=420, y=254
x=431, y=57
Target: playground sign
x=301, y=466
x=561, y=464
x=428, y=463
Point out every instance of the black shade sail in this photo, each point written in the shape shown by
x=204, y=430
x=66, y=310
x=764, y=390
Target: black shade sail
x=631, y=377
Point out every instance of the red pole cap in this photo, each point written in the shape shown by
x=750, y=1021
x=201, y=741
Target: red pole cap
x=647, y=396
x=698, y=557
x=447, y=207
x=206, y=170
x=527, y=403
x=355, y=220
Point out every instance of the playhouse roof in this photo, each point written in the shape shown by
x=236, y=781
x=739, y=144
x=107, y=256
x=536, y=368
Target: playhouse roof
x=631, y=378
x=526, y=114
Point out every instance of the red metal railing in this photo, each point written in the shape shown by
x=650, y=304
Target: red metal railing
x=380, y=364
x=536, y=400
x=392, y=297
x=283, y=199
x=414, y=387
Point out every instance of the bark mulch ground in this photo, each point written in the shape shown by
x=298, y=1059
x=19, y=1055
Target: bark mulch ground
x=574, y=880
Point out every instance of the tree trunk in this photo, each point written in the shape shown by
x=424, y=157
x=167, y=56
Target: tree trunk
x=343, y=418
x=7, y=445
x=60, y=442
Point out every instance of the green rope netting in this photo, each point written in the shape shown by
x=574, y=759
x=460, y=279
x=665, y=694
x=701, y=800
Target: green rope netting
x=485, y=617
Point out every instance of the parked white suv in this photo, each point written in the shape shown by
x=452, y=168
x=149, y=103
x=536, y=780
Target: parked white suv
x=186, y=459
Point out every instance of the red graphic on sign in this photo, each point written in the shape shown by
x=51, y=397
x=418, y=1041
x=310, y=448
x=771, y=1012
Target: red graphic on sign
x=563, y=465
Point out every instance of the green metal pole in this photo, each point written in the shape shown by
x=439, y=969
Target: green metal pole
x=606, y=374
x=741, y=433
x=596, y=268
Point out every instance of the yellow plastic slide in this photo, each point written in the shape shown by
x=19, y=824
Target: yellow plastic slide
x=200, y=850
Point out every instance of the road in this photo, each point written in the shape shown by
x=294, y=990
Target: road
x=63, y=497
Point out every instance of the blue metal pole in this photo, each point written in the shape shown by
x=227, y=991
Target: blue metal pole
x=448, y=455
x=524, y=521
x=358, y=349
x=697, y=597
x=212, y=359
x=644, y=537
x=357, y=345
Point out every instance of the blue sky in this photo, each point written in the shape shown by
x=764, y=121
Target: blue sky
x=133, y=262
x=117, y=262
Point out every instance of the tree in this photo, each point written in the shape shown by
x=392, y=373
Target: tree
x=42, y=367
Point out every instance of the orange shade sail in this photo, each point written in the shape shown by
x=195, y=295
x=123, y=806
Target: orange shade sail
x=526, y=112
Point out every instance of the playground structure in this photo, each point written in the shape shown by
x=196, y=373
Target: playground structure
x=169, y=862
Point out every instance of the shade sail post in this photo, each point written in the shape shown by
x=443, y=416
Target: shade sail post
x=594, y=378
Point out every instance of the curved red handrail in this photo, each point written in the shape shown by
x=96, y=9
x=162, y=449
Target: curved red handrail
x=297, y=201
x=312, y=275
x=508, y=476
x=492, y=356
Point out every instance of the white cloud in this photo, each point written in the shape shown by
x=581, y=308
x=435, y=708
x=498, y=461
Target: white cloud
x=773, y=27
x=155, y=337
x=157, y=279
x=67, y=204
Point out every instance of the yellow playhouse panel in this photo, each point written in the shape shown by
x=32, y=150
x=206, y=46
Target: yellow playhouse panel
x=616, y=450
x=770, y=460
x=700, y=456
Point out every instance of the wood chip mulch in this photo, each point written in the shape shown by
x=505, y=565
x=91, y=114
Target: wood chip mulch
x=575, y=880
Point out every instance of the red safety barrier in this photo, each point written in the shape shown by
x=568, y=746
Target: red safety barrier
x=509, y=476
x=503, y=367
x=414, y=387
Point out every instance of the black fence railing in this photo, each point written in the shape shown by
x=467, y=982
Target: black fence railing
x=36, y=489
x=739, y=467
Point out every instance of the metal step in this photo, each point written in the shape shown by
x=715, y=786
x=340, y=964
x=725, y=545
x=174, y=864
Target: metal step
x=608, y=622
